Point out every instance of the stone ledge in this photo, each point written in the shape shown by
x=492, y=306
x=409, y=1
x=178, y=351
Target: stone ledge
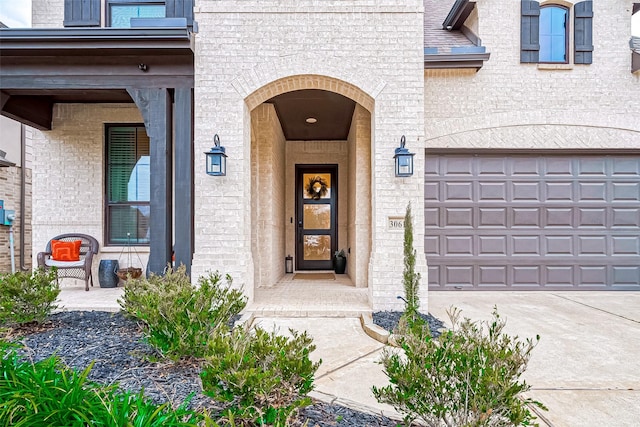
x=374, y=331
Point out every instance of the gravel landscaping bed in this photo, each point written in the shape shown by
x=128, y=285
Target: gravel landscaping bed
x=114, y=344
x=388, y=320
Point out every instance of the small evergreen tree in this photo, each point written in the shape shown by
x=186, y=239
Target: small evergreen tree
x=411, y=279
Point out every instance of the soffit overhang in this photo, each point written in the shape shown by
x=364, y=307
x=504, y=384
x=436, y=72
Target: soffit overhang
x=42, y=67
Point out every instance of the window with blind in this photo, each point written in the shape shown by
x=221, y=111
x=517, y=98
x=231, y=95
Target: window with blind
x=127, y=185
x=120, y=12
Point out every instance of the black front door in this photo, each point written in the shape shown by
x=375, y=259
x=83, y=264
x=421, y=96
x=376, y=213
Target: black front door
x=316, y=216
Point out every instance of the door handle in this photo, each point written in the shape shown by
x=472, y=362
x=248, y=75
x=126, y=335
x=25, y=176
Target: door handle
x=300, y=231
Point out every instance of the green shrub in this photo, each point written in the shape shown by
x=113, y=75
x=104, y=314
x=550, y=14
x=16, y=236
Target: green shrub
x=263, y=377
x=47, y=393
x=27, y=296
x=178, y=317
x=467, y=377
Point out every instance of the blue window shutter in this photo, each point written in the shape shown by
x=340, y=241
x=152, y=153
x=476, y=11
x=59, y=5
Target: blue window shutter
x=180, y=9
x=583, y=36
x=81, y=13
x=529, y=31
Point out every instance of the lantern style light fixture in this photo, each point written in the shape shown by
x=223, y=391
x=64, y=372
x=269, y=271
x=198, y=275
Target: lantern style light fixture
x=288, y=264
x=216, y=159
x=404, y=160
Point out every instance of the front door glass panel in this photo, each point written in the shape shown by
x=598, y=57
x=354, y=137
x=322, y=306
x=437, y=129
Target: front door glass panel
x=317, y=217
x=317, y=247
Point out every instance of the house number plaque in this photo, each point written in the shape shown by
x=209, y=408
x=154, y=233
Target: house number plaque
x=395, y=223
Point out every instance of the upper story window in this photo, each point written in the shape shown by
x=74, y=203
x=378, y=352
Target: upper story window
x=556, y=34
x=120, y=12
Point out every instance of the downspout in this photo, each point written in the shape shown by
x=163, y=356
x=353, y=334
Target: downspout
x=23, y=195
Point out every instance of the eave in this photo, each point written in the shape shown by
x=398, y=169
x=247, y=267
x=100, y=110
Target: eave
x=68, y=40
x=6, y=163
x=455, y=60
x=459, y=13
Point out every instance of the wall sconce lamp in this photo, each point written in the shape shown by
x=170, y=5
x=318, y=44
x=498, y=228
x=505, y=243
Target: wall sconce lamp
x=216, y=159
x=404, y=160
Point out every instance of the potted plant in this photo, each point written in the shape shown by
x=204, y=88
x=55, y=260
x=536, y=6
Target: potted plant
x=340, y=261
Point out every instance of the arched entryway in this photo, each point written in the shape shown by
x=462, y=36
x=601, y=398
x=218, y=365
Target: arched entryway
x=302, y=128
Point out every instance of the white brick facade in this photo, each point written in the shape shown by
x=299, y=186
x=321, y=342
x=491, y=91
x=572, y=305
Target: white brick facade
x=507, y=104
x=371, y=51
x=368, y=51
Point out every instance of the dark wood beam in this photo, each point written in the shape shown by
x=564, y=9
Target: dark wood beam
x=183, y=146
x=4, y=97
x=34, y=111
x=155, y=106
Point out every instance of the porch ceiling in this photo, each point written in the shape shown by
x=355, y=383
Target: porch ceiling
x=332, y=111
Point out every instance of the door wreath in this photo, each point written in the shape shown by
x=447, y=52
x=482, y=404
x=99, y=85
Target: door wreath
x=316, y=188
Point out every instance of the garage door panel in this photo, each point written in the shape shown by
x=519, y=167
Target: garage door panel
x=625, y=275
x=458, y=245
x=558, y=217
x=492, y=218
x=458, y=191
x=526, y=275
x=459, y=275
x=594, y=275
x=526, y=218
x=533, y=222
x=626, y=246
x=492, y=245
x=526, y=246
x=525, y=191
x=559, y=276
x=559, y=166
x=592, y=217
x=457, y=166
x=559, y=191
x=492, y=275
x=432, y=192
x=592, y=191
x=527, y=166
x=458, y=217
x=492, y=191
x=626, y=167
x=626, y=191
x=558, y=245
x=624, y=217
x=592, y=245
x=432, y=245
x=593, y=166
x=432, y=218
x=495, y=166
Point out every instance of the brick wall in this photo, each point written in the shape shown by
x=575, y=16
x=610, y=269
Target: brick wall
x=268, y=198
x=507, y=104
x=249, y=51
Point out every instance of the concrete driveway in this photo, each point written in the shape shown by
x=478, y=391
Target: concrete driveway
x=586, y=368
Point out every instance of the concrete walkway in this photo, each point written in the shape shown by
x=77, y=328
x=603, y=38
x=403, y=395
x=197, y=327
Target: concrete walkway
x=586, y=368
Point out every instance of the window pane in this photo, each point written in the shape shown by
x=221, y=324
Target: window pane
x=121, y=14
x=133, y=219
x=128, y=184
x=317, y=248
x=553, y=34
x=316, y=186
x=317, y=217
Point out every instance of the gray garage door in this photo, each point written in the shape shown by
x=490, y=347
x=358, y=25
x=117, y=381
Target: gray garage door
x=532, y=221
